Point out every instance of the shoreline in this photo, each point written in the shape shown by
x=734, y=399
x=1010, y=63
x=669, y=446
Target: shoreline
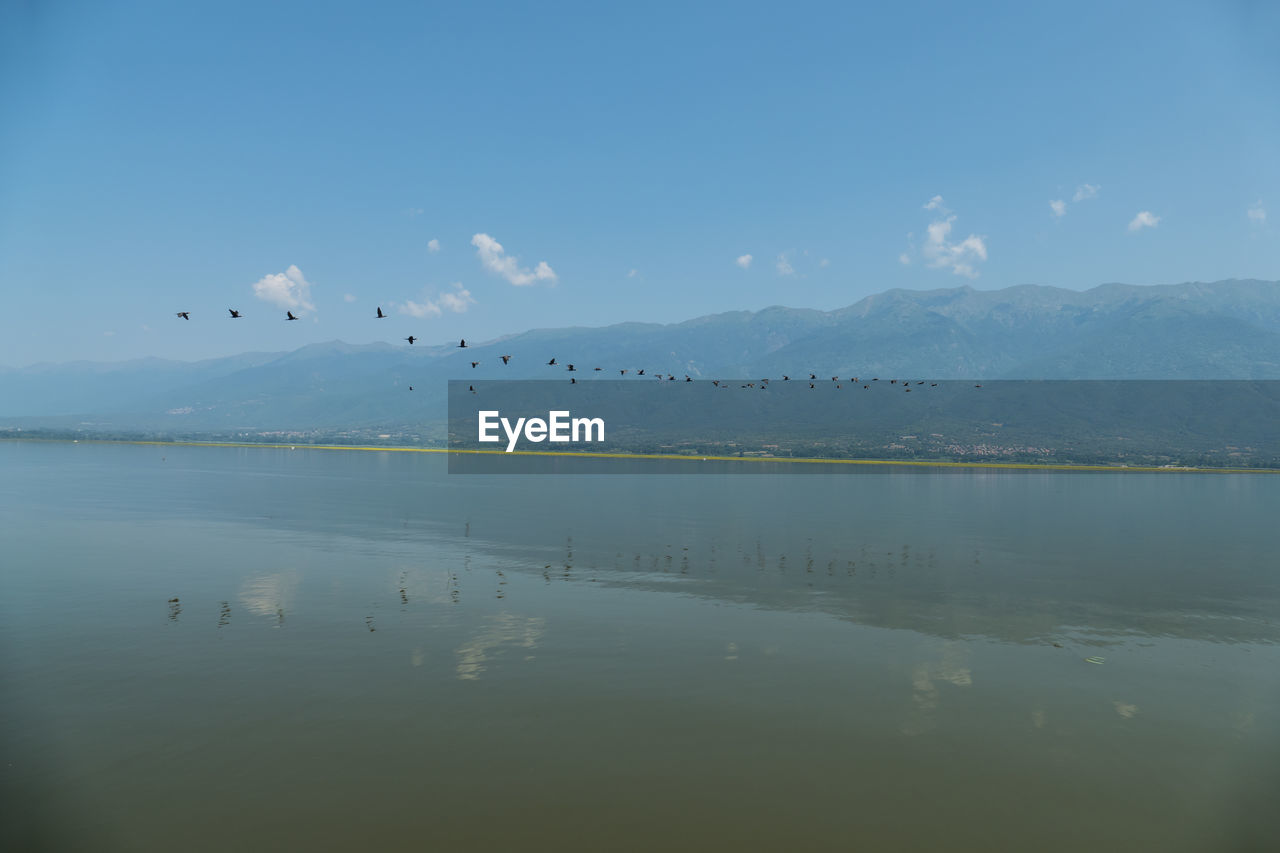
x=910, y=463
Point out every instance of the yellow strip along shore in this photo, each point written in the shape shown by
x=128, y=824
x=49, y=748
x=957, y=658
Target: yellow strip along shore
x=907, y=463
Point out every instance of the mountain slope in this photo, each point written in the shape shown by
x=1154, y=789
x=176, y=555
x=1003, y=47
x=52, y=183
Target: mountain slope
x=1223, y=330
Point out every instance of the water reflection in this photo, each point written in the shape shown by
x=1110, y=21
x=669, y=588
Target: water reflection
x=271, y=594
x=949, y=667
x=783, y=656
x=503, y=629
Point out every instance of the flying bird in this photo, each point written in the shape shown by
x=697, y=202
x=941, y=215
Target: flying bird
x=505, y=359
x=573, y=380
x=380, y=316
x=640, y=372
x=235, y=315
x=290, y=315
x=571, y=367
x=473, y=364
x=623, y=372
x=186, y=315
x=411, y=339
x=462, y=343
x=552, y=362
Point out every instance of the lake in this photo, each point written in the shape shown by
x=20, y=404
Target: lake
x=254, y=648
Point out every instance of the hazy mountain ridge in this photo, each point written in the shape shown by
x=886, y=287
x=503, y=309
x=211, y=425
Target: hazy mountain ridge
x=1220, y=330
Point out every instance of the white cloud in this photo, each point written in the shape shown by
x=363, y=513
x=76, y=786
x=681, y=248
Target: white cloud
x=1258, y=213
x=494, y=258
x=1144, y=219
x=904, y=259
x=941, y=253
x=1086, y=191
x=744, y=261
x=458, y=300
x=289, y=290
x=419, y=309
x=784, y=265
x=455, y=301
x=633, y=273
x=433, y=245
x=1058, y=206
x=348, y=298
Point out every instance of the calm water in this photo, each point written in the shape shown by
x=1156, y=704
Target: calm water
x=253, y=649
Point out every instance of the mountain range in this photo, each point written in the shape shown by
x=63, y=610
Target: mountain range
x=1220, y=330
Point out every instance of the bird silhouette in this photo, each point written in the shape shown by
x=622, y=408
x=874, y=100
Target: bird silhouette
x=552, y=362
x=290, y=315
x=571, y=367
x=410, y=387
x=473, y=364
x=573, y=380
x=411, y=339
x=463, y=343
x=622, y=372
x=186, y=315
x=235, y=315
x=380, y=316
x=640, y=372
x=506, y=358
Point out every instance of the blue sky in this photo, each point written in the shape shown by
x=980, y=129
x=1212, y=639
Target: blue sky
x=157, y=157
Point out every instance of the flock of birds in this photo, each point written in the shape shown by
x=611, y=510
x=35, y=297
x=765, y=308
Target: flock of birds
x=573, y=368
